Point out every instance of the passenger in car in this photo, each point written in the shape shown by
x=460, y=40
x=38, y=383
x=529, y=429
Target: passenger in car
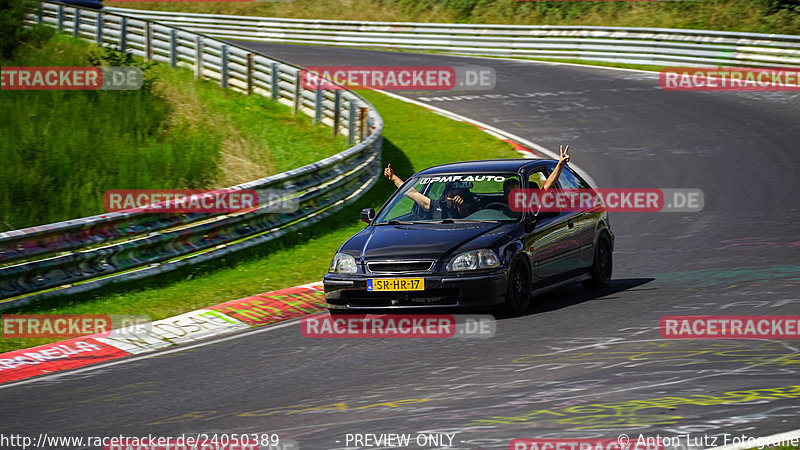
x=513, y=183
x=456, y=201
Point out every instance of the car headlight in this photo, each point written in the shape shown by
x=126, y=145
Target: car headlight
x=343, y=263
x=473, y=260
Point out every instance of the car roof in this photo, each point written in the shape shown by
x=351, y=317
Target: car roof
x=485, y=165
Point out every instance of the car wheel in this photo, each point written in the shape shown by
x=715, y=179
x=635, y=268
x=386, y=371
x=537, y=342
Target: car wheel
x=518, y=295
x=602, y=265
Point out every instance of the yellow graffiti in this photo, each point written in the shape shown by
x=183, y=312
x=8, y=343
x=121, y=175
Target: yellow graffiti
x=598, y=415
x=396, y=404
x=331, y=407
x=344, y=407
x=287, y=409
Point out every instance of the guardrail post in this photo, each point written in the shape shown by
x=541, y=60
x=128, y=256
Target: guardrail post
x=223, y=78
x=318, y=105
x=351, y=123
x=173, y=47
x=275, y=87
x=337, y=111
x=60, y=18
x=123, y=34
x=76, y=23
x=198, y=57
x=249, y=73
x=40, y=13
x=99, y=35
x=362, y=123
x=298, y=93
x=148, y=41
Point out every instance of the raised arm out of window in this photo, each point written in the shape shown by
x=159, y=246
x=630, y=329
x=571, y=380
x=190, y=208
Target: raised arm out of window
x=562, y=161
x=412, y=193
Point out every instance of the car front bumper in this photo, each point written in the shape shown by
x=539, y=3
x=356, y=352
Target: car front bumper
x=349, y=292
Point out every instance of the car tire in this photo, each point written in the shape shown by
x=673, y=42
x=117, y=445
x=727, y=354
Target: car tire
x=518, y=295
x=602, y=265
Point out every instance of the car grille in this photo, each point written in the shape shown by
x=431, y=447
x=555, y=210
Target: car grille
x=400, y=266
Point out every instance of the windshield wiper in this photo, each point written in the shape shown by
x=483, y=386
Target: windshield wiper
x=397, y=222
x=448, y=220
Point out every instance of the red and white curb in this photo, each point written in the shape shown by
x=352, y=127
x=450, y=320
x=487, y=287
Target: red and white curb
x=228, y=317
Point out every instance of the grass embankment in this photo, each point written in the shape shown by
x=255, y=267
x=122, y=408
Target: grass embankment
x=760, y=16
x=414, y=139
x=62, y=149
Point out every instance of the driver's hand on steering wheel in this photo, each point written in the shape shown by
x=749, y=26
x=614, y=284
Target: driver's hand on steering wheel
x=457, y=200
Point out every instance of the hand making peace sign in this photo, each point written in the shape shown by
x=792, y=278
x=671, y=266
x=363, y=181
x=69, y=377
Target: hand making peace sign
x=564, y=156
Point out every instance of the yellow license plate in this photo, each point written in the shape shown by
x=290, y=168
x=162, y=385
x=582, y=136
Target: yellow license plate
x=396, y=284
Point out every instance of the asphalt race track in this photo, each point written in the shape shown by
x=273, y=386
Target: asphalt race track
x=580, y=363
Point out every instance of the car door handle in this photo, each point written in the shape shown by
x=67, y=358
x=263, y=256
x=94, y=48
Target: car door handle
x=571, y=223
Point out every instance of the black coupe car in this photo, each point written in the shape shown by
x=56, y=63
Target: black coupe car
x=448, y=238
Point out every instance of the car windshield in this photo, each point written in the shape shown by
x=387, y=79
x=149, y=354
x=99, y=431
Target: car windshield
x=453, y=198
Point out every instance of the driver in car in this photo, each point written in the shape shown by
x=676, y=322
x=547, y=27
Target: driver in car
x=457, y=200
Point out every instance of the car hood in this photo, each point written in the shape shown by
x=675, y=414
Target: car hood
x=422, y=241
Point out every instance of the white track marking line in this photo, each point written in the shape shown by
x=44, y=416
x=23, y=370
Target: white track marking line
x=550, y=154
x=555, y=63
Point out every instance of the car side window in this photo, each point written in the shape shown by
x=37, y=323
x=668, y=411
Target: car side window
x=404, y=206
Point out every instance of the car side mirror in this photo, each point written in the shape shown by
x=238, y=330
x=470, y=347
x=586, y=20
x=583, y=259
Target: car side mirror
x=530, y=223
x=367, y=214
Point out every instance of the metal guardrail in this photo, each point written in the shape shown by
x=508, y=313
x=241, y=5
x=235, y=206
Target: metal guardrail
x=80, y=255
x=657, y=46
